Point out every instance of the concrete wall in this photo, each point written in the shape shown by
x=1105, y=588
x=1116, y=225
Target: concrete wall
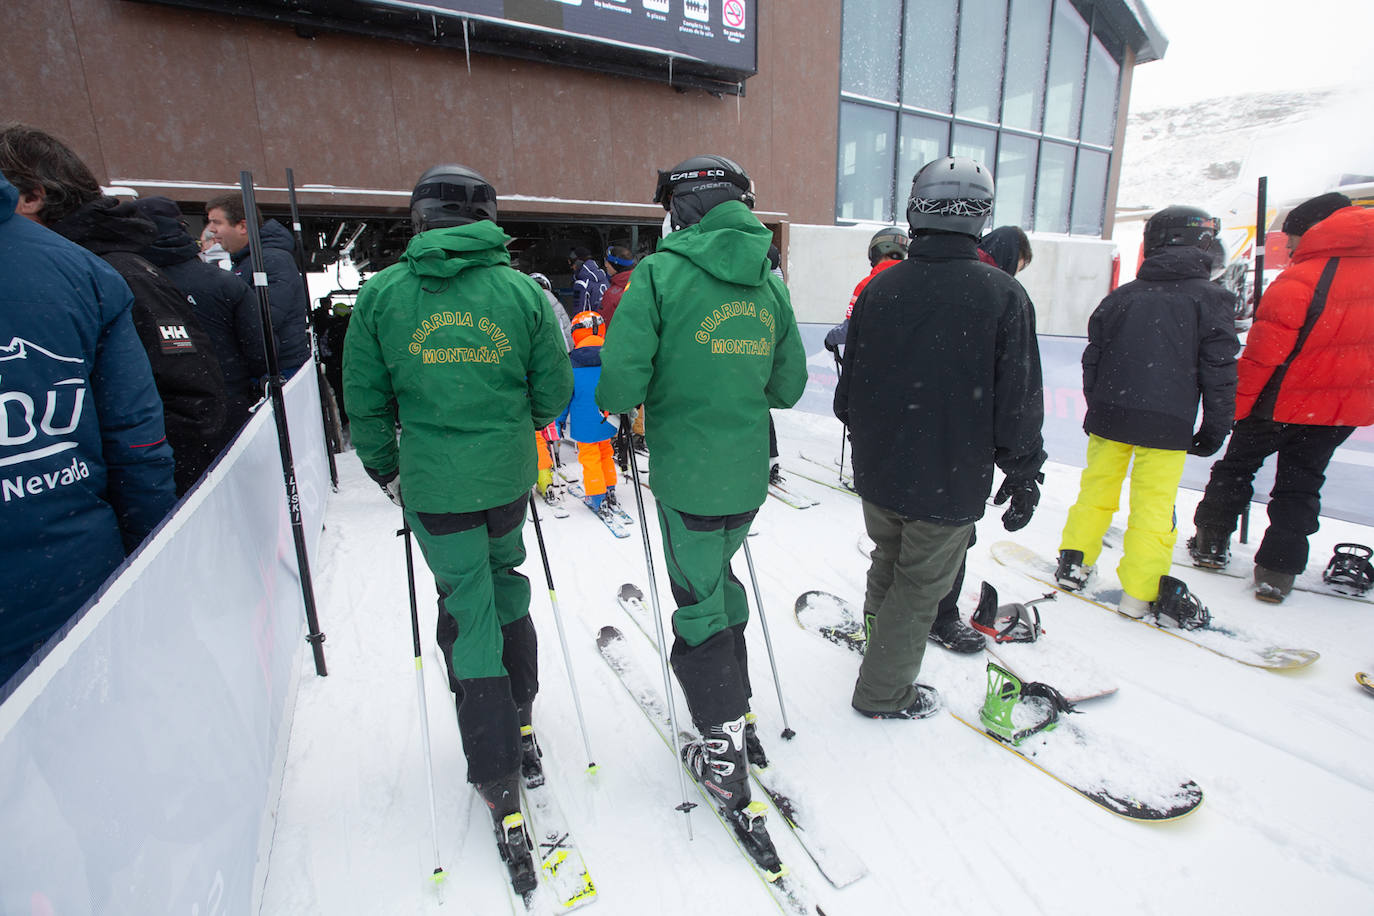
x=1066, y=279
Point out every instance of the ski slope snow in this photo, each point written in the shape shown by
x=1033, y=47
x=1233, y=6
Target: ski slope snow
x=948, y=822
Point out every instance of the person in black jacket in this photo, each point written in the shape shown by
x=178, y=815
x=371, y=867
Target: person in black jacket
x=941, y=380
x=225, y=306
x=1154, y=346
x=285, y=289
x=66, y=198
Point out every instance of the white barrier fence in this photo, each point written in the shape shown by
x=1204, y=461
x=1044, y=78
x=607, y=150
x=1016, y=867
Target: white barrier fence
x=141, y=760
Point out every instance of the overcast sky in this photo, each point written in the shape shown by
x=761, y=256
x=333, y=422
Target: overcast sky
x=1229, y=47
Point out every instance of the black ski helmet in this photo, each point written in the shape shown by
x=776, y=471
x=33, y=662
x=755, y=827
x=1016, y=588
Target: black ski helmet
x=692, y=187
x=450, y=195
x=1179, y=225
x=886, y=242
x=953, y=194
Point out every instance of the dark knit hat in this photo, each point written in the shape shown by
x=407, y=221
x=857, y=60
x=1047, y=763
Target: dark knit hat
x=159, y=206
x=1310, y=212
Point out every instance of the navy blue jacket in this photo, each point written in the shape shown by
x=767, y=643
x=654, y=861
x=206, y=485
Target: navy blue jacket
x=589, y=286
x=285, y=292
x=85, y=470
x=1157, y=345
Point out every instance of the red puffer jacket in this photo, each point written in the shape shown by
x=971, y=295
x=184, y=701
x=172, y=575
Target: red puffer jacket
x=1331, y=382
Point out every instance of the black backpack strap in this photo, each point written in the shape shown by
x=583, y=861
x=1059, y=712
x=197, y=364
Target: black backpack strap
x=1269, y=395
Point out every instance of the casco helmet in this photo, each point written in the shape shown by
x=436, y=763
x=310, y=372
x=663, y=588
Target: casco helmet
x=588, y=320
x=1179, y=225
x=692, y=187
x=953, y=194
x=450, y=195
x=886, y=242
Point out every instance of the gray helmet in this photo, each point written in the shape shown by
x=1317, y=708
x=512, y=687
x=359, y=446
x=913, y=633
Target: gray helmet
x=952, y=194
x=450, y=195
x=1190, y=227
x=886, y=242
x=692, y=187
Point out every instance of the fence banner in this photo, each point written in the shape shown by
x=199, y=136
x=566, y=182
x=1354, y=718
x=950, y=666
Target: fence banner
x=140, y=761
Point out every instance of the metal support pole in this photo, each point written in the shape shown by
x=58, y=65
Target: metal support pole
x=315, y=332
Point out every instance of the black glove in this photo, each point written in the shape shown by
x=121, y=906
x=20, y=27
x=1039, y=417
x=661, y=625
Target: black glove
x=834, y=339
x=1206, y=443
x=1024, y=493
x=390, y=484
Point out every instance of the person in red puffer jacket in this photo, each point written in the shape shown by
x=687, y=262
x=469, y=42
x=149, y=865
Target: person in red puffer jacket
x=1306, y=381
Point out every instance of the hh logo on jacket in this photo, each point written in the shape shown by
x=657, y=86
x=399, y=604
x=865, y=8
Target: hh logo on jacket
x=40, y=407
x=174, y=338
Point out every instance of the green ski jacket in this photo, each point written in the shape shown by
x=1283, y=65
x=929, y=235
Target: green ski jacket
x=464, y=352
x=705, y=338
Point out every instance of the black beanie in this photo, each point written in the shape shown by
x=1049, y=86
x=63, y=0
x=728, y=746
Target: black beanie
x=1310, y=212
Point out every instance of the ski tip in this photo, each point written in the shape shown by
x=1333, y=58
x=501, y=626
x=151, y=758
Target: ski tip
x=608, y=635
x=630, y=590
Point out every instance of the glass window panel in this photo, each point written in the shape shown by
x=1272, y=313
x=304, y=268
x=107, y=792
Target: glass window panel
x=1055, y=174
x=977, y=143
x=1064, y=95
x=978, y=90
x=928, y=61
x=867, y=149
x=1099, y=99
x=1028, y=40
x=1014, y=180
x=923, y=140
x=868, y=62
x=1090, y=192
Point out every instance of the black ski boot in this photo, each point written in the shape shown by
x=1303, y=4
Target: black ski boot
x=502, y=797
x=531, y=764
x=1272, y=586
x=955, y=635
x=775, y=478
x=1350, y=571
x=719, y=763
x=753, y=747
x=1210, y=547
x=1071, y=574
x=1178, y=607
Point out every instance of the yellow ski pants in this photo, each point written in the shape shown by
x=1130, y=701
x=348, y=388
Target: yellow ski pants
x=1150, y=528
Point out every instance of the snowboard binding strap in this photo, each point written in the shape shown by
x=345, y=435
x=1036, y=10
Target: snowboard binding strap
x=1006, y=692
x=1350, y=570
x=1010, y=622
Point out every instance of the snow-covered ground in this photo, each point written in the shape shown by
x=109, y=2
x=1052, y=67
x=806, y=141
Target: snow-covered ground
x=948, y=821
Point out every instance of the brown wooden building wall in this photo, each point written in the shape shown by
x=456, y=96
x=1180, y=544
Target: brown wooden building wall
x=155, y=93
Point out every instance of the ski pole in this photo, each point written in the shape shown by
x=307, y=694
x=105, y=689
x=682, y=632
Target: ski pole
x=313, y=634
x=562, y=637
x=787, y=732
x=686, y=806
x=844, y=430
x=438, y=876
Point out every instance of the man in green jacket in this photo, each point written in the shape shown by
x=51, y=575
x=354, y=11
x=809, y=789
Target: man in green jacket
x=462, y=351
x=705, y=339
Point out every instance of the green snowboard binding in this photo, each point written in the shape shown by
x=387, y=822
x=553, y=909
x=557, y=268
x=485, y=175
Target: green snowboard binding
x=1014, y=711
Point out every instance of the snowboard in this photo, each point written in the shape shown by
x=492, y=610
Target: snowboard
x=1097, y=767
x=1071, y=673
x=1364, y=680
x=1230, y=641
x=1242, y=567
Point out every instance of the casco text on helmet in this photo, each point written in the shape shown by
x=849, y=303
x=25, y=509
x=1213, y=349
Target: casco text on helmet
x=953, y=194
x=691, y=188
x=1179, y=225
x=888, y=242
x=450, y=195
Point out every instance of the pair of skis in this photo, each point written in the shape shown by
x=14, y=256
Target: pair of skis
x=835, y=860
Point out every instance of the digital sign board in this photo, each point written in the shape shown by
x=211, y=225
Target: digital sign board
x=706, y=44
